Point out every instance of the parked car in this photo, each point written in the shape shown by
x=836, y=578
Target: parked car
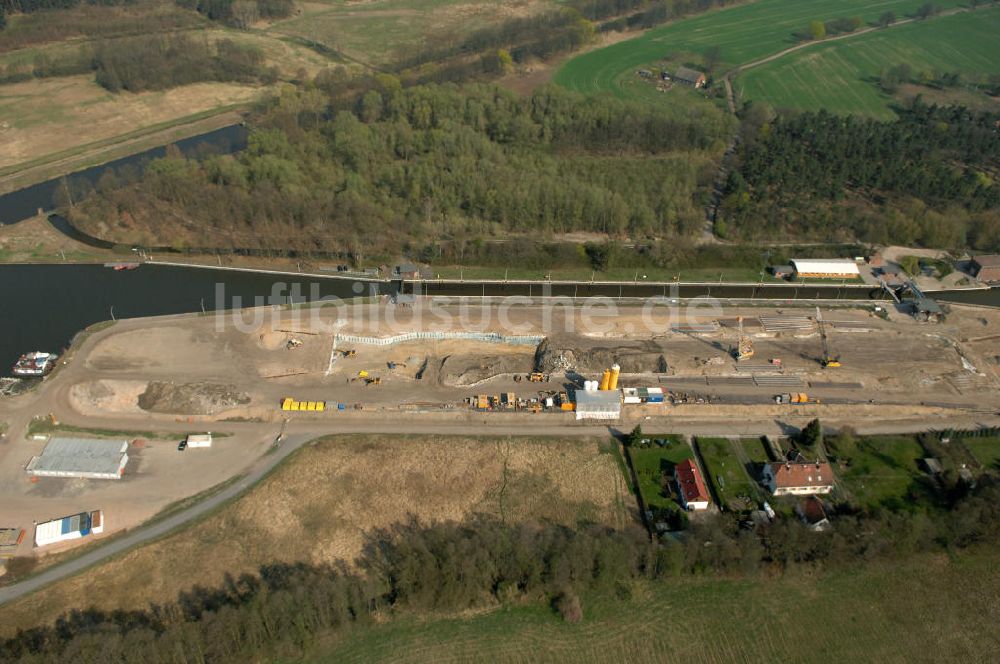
x=181, y=446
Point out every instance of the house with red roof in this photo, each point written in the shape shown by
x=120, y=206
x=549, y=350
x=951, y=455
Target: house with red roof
x=690, y=486
x=801, y=478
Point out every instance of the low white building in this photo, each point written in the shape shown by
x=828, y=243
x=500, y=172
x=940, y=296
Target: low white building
x=89, y=458
x=69, y=528
x=598, y=404
x=199, y=440
x=825, y=269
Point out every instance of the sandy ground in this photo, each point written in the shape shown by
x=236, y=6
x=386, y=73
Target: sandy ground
x=324, y=505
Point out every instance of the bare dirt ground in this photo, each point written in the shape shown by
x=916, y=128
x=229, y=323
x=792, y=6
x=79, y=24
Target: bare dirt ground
x=323, y=505
x=197, y=373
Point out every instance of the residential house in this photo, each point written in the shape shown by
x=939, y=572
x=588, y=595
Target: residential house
x=690, y=486
x=801, y=478
x=986, y=268
x=813, y=514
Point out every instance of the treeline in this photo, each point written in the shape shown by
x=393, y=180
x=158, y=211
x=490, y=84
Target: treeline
x=29, y=6
x=241, y=13
x=159, y=62
x=406, y=165
x=651, y=14
x=926, y=178
x=540, y=36
x=453, y=567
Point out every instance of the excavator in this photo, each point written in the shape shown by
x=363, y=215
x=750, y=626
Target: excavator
x=828, y=361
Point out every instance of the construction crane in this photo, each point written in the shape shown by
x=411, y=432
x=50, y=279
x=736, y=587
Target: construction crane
x=744, y=345
x=828, y=361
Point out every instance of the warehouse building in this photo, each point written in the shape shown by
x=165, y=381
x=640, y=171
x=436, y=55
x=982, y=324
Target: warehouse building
x=598, y=404
x=69, y=528
x=88, y=458
x=986, y=268
x=825, y=269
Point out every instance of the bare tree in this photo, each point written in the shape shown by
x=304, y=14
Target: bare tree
x=245, y=13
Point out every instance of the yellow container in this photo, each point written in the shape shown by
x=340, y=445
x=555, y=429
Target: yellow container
x=615, y=372
x=605, y=380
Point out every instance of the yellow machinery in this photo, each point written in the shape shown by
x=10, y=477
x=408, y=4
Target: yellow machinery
x=349, y=353
x=537, y=377
x=615, y=372
x=828, y=361
x=373, y=380
x=362, y=374
x=605, y=380
x=744, y=345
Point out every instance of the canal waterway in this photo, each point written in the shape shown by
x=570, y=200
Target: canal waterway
x=25, y=203
x=44, y=306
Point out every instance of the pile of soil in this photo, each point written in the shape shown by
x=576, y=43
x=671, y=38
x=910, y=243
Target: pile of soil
x=555, y=355
x=460, y=370
x=191, y=398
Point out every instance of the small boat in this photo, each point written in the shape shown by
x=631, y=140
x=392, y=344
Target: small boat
x=121, y=267
x=36, y=363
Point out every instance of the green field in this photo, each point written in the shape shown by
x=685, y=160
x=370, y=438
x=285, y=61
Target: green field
x=842, y=77
x=986, y=451
x=652, y=465
x=925, y=609
x=882, y=469
x=743, y=33
x=725, y=468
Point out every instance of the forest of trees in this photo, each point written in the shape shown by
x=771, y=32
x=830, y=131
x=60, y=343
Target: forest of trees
x=928, y=178
x=429, y=162
x=157, y=62
x=452, y=567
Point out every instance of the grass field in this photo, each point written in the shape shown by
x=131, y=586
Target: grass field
x=320, y=506
x=743, y=33
x=653, y=465
x=725, y=468
x=842, y=77
x=377, y=32
x=986, y=451
x=926, y=609
x=883, y=468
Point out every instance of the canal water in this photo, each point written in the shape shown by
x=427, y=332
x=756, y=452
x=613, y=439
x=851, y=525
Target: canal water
x=25, y=203
x=44, y=306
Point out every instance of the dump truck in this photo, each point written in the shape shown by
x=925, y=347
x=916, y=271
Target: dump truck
x=538, y=377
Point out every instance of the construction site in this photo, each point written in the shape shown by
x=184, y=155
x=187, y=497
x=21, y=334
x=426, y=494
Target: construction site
x=529, y=367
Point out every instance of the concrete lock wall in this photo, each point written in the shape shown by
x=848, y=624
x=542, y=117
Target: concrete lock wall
x=491, y=337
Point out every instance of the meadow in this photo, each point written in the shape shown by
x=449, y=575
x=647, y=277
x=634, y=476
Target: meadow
x=323, y=504
x=375, y=33
x=654, y=466
x=743, y=33
x=843, y=76
x=929, y=608
x=882, y=470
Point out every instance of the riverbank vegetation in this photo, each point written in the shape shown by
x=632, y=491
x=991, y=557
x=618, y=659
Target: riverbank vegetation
x=401, y=167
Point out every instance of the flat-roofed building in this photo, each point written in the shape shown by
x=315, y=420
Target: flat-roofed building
x=88, y=458
x=598, y=404
x=826, y=268
x=69, y=528
x=986, y=268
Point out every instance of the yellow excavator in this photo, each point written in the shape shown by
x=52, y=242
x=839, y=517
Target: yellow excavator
x=829, y=360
